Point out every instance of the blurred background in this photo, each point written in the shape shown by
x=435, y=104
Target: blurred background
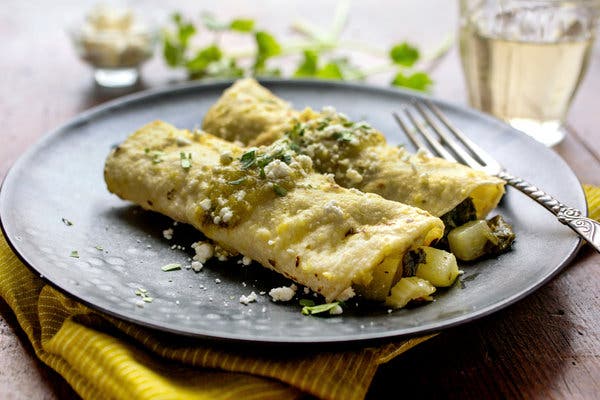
x=45, y=83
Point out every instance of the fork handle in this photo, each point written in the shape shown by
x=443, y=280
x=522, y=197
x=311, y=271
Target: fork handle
x=586, y=228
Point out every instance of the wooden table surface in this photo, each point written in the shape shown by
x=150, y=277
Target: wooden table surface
x=545, y=346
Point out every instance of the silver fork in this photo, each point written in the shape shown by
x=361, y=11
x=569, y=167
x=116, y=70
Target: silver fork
x=427, y=119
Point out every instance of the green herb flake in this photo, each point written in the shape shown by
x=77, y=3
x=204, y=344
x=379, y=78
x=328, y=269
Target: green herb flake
x=279, y=190
x=404, y=54
x=343, y=136
x=74, y=254
x=143, y=293
x=98, y=247
x=307, y=302
x=308, y=67
x=66, y=222
x=237, y=181
x=204, y=58
x=242, y=25
x=248, y=159
x=186, y=160
x=417, y=81
x=157, y=157
x=171, y=267
x=320, y=308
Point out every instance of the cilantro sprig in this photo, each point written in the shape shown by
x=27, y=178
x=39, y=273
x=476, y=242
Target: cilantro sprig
x=310, y=308
x=320, y=54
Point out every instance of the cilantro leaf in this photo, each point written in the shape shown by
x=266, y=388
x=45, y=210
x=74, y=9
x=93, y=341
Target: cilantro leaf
x=175, y=44
x=171, y=267
x=266, y=47
x=203, y=58
x=172, y=52
x=212, y=23
x=320, y=308
x=308, y=67
x=279, y=190
x=417, y=81
x=248, y=159
x=330, y=70
x=404, y=54
x=242, y=25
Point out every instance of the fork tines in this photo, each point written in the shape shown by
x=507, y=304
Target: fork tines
x=429, y=130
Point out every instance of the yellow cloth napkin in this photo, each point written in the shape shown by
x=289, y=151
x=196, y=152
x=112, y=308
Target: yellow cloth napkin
x=105, y=358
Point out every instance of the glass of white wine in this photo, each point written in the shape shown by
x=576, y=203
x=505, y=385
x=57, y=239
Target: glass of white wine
x=523, y=60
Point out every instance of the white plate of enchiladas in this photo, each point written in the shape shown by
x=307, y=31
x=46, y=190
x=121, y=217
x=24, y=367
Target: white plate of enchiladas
x=282, y=212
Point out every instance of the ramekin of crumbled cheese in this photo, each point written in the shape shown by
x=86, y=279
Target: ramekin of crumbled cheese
x=116, y=41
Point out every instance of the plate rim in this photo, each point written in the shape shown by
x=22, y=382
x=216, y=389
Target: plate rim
x=173, y=89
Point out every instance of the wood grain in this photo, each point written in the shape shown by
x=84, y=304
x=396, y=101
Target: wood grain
x=545, y=346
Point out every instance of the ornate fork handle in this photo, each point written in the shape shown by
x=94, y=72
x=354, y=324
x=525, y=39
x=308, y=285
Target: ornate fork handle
x=585, y=227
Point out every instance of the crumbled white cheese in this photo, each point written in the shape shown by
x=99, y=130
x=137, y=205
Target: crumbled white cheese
x=197, y=266
x=332, y=208
x=246, y=260
x=328, y=110
x=353, y=176
x=305, y=161
x=239, y=195
x=168, y=233
x=226, y=214
x=277, y=169
x=333, y=129
x=284, y=293
x=205, y=204
x=221, y=201
x=330, y=178
x=252, y=297
x=204, y=252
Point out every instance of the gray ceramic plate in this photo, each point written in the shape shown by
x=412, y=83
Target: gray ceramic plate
x=61, y=177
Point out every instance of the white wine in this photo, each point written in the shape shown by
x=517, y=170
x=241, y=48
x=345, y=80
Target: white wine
x=527, y=80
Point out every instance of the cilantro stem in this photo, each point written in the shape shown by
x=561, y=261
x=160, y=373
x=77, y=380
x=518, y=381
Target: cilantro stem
x=340, y=18
x=431, y=60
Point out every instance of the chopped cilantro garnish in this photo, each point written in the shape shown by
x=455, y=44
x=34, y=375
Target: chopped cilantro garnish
x=318, y=309
x=343, y=136
x=237, y=181
x=248, y=159
x=279, y=190
x=67, y=222
x=74, y=254
x=186, y=160
x=143, y=293
x=171, y=267
x=157, y=157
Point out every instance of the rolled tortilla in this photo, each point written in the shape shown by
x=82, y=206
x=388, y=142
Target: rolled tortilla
x=354, y=152
x=269, y=205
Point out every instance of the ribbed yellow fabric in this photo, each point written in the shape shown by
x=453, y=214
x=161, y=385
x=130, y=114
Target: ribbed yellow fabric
x=592, y=194
x=105, y=358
